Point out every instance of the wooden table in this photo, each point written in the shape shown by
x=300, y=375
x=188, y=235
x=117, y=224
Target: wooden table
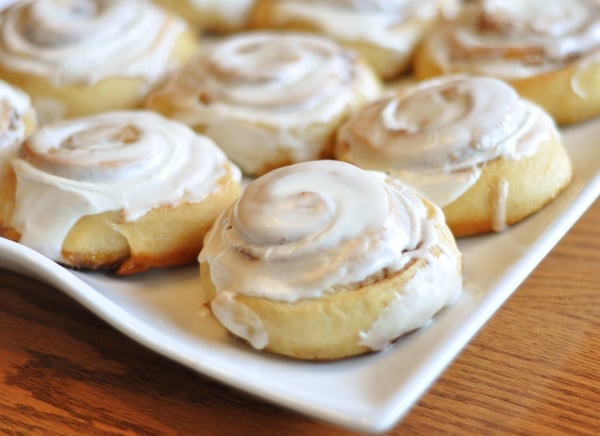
x=533, y=369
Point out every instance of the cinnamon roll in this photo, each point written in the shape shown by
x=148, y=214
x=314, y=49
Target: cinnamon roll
x=385, y=33
x=477, y=149
x=123, y=190
x=323, y=260
x=79, y=57
x=268, y=99
x=216, y=16
x=548, y=51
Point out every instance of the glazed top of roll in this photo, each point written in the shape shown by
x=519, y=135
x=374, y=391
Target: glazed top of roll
x=515, y=39
x=270, y=78
x=386, y=23
x=437, y=134
x=14, y=104
x=315, y=228
x=260, y=93
x=84, y=41
x=129, y=161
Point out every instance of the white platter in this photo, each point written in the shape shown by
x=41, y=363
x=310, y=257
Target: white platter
x=372, y=393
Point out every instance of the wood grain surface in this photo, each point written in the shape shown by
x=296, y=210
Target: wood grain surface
x=533, y=369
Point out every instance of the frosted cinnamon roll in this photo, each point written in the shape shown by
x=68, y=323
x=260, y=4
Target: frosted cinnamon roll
x=488, y=157
x=548, y=51
x=213, y=15
x=385, y=33
x=80, y=57
x=323, y=260
x=122, y=190
x=268, y=99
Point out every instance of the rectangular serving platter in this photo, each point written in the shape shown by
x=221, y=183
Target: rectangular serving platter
x=162, y=310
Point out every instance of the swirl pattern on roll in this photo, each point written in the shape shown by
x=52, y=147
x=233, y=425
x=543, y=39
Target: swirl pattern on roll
x=84, y=41
x=269, y=77
x=260, y=95
x=119, y=161
x=511, y=39
x=437, y=134
x=313, y=228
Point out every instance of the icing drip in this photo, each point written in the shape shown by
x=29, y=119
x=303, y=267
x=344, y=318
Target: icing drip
x=434, y=286
x=84, y=41
x=240, y=320
x=128, y=161
x=500, y=199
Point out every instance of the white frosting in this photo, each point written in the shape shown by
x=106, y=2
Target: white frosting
x=120, y=161
x=433, y=287
x=500, y=197
x=258, y=93
x=557, y=17
x=240, y=320
x=388, y=23
x=510, y=39
x=84, y=41
x=234, y=12
x=437, y=134
x=310, y=229
x=14, y=105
